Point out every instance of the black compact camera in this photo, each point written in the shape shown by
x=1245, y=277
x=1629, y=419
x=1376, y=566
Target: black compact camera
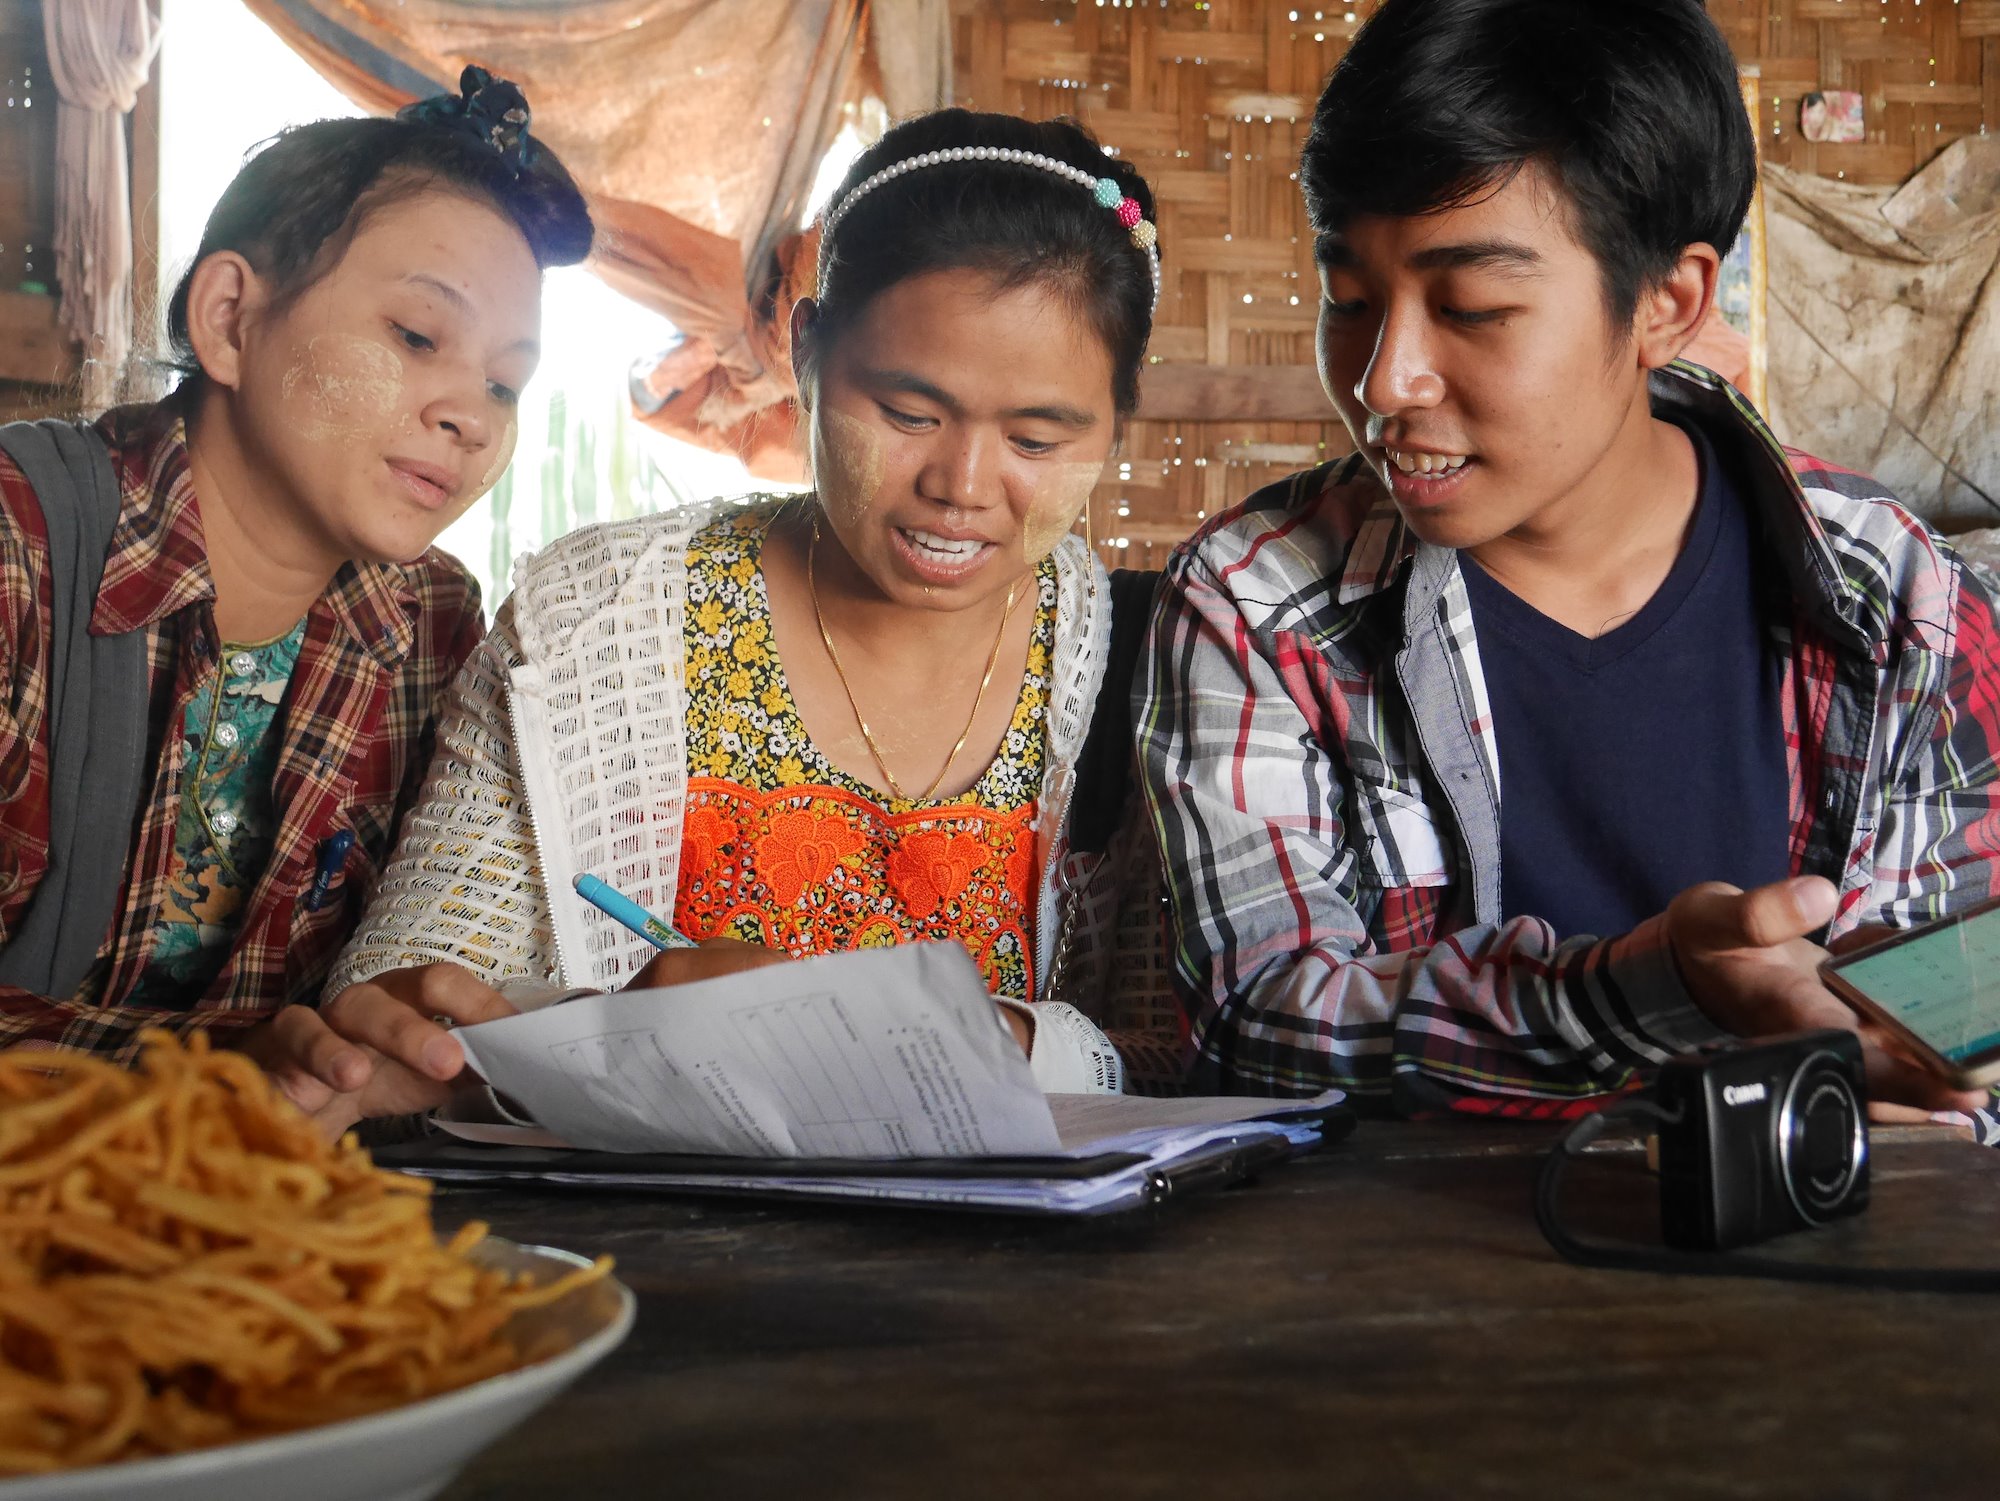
x=1766, y=1137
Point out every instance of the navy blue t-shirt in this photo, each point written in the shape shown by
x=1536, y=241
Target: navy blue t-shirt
x=1634, y=765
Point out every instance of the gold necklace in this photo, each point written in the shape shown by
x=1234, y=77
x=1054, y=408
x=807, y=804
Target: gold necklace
x=881, y=765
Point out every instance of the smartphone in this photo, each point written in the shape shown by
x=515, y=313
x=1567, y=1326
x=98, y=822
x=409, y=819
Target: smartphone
x=1938, y=988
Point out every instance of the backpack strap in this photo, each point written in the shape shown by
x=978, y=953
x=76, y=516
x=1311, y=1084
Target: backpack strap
x=96, y=715
x=1104, y=769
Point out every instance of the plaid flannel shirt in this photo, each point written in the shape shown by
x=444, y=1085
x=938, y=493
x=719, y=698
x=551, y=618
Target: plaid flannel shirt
x=380, y=646
x=1319, y=758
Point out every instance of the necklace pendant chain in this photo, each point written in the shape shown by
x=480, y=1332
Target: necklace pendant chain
x=875, y=750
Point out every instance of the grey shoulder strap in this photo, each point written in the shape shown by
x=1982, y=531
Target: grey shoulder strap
x=96, y=715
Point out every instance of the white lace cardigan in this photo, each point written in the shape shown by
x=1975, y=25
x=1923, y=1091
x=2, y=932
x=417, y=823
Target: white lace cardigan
x=563, y=748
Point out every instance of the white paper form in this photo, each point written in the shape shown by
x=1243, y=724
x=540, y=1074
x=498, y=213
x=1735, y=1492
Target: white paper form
x=883, y=1053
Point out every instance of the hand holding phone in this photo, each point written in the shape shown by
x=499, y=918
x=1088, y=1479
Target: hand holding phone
x=1747, y=964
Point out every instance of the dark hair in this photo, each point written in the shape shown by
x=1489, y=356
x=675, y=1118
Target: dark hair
x=302, y=197
x=1632, y=107
x=1020, y=224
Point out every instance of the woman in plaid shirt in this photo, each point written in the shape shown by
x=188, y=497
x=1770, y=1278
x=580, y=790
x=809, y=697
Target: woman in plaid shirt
x=1463, y=751
x=363, y=308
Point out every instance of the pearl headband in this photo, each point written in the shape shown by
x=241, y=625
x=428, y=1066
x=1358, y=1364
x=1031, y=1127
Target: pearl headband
x=1105, y=190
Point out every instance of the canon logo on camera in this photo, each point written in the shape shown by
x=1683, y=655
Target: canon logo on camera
x=1742, y=1094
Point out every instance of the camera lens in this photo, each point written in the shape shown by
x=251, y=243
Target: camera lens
x=1822, y=1137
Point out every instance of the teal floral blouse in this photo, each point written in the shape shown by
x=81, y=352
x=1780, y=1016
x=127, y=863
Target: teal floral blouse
x=227, y=823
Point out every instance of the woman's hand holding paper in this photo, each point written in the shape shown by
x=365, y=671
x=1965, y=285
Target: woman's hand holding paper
x=380, y=1047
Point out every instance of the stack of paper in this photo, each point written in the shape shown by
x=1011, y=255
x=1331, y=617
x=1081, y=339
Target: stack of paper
x=881, y=1074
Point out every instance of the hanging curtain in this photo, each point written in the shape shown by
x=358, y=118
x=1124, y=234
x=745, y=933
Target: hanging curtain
x=695, y=127
x=909, y=45
x=1885, y=328
x=100, y=52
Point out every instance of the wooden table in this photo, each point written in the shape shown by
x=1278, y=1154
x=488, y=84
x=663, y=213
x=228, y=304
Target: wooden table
x=1382, y=1320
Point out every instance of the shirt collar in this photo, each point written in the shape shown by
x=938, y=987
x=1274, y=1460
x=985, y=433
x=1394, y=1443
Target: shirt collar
x=1769, y=474
x=376, y=604
x=157, y=564
x=1383, y=544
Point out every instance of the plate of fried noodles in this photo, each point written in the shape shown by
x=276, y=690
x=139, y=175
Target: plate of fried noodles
x=203, y=1300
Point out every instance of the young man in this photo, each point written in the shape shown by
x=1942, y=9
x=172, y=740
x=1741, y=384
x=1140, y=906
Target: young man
x=1556, y=730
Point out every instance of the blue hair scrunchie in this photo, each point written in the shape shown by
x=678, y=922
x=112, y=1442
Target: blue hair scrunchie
x=491, y=110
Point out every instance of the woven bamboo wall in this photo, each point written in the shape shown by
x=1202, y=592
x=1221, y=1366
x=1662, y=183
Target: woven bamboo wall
x=1927, y=74
x=27, y=150
x=30, y=349
x=1210, y=98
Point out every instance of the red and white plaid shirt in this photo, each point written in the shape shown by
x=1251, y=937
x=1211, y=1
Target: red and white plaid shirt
x=380, y=646
x=1318, y=750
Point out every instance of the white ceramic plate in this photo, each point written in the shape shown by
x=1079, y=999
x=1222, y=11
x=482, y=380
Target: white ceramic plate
x=405, y=1454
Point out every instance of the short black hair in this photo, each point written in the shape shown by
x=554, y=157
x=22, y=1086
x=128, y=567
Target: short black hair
x=1021, y=224
x=1631, y=106
x=304, y=194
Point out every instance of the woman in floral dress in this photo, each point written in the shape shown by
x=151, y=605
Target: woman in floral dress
x=849, y=718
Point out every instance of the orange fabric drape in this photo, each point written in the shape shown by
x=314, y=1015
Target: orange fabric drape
x=694, y=126
x=1722, y=349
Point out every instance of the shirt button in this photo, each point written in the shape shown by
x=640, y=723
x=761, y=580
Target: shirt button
x=242, y=664
x=223, y=822
x=225, y=735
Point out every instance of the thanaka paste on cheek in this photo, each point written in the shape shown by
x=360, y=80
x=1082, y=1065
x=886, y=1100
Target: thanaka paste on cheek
x=343, y=387
x=503, y=455
x=847, y=466
x=1059, y=500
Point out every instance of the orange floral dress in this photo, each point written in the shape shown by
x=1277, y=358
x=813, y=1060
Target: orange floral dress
x=782, y=848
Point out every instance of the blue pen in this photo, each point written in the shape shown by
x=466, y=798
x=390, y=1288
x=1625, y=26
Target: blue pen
x=615, y=904
x=332, y=855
